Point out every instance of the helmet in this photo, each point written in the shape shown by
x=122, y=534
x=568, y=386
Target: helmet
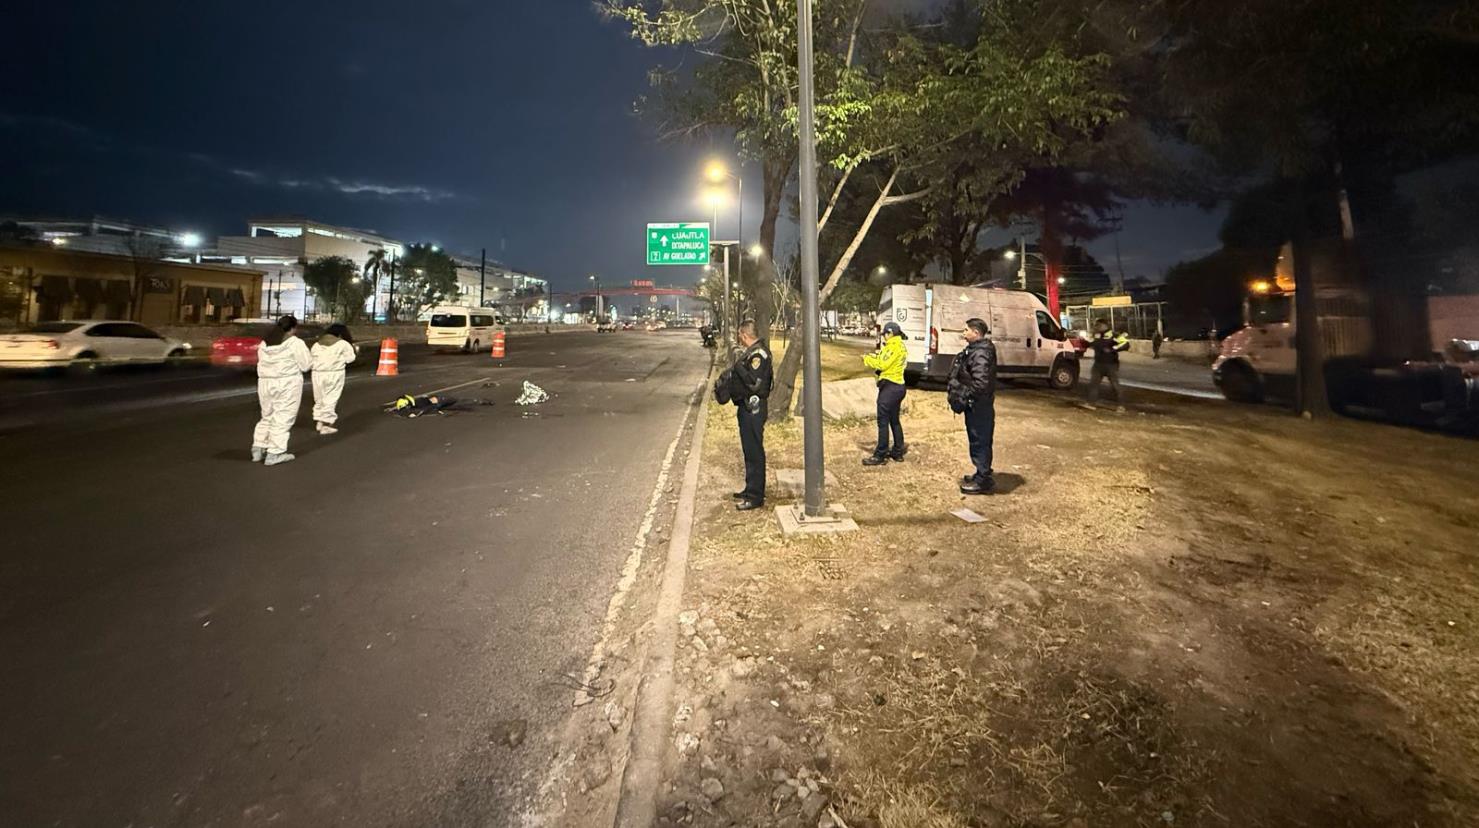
x=892, y=329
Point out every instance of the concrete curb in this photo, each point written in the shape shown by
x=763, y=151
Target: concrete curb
x=637, y=803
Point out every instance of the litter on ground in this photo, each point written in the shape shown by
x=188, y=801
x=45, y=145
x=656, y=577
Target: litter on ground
x=533, y=394
x=967, y=515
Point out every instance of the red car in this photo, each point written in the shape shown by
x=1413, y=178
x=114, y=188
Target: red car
x=239, y=348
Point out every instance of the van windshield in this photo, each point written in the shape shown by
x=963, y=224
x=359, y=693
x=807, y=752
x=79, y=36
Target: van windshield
x=448, y=320
x=1270, y=310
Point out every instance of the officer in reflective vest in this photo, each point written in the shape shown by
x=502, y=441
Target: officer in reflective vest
x=888, y=366
x=750, y=382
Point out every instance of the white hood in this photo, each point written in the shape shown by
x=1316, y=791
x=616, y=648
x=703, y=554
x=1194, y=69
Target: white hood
x=291, y=358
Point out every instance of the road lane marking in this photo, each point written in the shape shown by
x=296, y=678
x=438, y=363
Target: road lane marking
x=1172, y=389
x=651, y=712
x=455, y=387
x=629, y=570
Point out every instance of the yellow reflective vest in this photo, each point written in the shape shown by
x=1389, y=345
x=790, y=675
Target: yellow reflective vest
x=888, y=361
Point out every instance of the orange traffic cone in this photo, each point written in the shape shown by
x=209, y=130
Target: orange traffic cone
x=500, y=348
x=389, y=358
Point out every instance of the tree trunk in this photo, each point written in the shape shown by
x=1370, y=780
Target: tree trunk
x=1311, y=399
x=775, y=175
x=785, y=374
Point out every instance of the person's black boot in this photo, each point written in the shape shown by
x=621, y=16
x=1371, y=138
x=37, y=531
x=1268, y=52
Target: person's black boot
x=874, y=460
x=897, y=455
x=979, y=487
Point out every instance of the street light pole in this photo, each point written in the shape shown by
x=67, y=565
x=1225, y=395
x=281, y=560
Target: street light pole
x=483, y=278
x=811, y=392
x=1022, y=266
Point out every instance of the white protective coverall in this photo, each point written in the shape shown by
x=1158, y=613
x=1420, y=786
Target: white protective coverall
x=279, y=391
x=330, y=355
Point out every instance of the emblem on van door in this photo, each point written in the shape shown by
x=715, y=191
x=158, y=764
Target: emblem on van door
x=902, y=314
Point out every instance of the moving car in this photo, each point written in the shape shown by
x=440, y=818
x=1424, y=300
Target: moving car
x=1029, y=341
x=469, y=329
x=88, y=345
x=239, y=348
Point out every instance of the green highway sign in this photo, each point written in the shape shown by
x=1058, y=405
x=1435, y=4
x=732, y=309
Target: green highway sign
x=676, y=243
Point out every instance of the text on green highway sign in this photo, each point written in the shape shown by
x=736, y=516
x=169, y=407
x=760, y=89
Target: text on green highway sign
x=678, y=243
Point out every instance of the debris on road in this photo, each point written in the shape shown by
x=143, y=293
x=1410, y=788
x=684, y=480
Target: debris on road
x=510, y=732
x=532, y=395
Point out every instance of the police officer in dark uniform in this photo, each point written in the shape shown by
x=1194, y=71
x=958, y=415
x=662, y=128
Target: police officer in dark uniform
x=750, y=383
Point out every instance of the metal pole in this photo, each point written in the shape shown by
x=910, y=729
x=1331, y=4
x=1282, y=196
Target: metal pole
x=739, y=266
x=1022, y=270
x=811, y=392
x=727, y=327
x=483, y=278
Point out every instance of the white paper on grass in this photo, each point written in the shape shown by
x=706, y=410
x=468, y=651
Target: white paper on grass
x=967, y=515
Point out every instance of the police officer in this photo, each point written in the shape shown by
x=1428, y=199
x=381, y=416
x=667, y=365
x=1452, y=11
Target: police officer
x=1106, y=346
x=888, y=365
x=750, y=380
x=972, y=392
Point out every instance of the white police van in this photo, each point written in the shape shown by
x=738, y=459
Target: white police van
x=1029, y=341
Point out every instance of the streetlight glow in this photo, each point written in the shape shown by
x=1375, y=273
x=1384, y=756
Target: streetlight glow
x=757, y=251
x=1010, y=255
x=716, y=172
x=189, y=239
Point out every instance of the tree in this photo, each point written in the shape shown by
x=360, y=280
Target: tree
x=146, y=254
x=427, y=276
x=856, y=297
x=903, y=122
x=377, y=264
x=336, y=280
x=1334, y=99
x=744, y=86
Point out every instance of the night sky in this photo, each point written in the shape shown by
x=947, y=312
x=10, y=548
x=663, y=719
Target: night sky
x=505, y=124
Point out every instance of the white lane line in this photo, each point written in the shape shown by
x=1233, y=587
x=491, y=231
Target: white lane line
x=652, y=710
x=457, y=386
x=629, y=570
x=1172, y=389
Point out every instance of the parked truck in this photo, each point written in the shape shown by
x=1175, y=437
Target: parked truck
x=1258, y=362
x=1029, y=341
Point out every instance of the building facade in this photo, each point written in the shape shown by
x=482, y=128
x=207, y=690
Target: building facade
x=47, y=283
x=282, y=248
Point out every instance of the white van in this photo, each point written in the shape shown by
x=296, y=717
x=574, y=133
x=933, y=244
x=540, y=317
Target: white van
x=1029, y=341
x=468, y=329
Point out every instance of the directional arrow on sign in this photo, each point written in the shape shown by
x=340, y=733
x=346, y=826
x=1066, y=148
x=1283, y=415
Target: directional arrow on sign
x=664, y=241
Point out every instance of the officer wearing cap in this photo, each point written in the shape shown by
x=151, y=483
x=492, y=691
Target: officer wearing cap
x=888, y=366
x=750, y=381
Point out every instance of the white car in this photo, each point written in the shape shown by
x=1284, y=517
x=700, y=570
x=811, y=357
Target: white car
x=88, y=345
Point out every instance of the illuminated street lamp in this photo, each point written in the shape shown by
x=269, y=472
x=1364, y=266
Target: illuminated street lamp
x=717, y=173
x=757, y=252
x=597, y=281
x=190, y=240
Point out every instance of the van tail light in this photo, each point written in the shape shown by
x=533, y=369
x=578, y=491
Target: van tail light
x=934, y=341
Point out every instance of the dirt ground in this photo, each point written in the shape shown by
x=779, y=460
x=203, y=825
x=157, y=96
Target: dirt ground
x=1188, y=613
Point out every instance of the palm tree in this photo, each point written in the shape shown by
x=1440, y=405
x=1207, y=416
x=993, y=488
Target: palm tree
x=377, y=263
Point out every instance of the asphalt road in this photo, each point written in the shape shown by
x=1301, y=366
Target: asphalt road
x=191, y=639
x=1173, y=376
